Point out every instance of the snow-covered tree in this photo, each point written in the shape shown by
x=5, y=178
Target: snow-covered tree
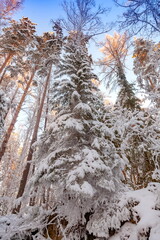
x=50, y=45
x=11, y=168
x=41, y=58
x=15, y=39
x=146, y=66
x=115, y=49
x=137, y=138
x=76, y=156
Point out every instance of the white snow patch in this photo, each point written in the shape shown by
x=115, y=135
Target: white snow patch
x=147, y=212
x=84, y=188
x=72, y=123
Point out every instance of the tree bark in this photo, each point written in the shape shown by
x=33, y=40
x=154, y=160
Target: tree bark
x=1, y=79
x=9, y=131
x=47, y=108
x=27, y=140
x=11, y=101
x=34, y=138
x=10, y=55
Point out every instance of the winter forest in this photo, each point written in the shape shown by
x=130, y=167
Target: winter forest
x=76, y=164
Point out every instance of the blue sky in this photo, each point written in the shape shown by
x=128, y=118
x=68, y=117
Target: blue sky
x=42, y=11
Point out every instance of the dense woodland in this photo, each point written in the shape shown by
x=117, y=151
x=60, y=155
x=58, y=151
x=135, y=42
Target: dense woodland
x=73, y=165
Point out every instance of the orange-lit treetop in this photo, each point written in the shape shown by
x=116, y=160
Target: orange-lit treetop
x=8, y=7
x=115, y=48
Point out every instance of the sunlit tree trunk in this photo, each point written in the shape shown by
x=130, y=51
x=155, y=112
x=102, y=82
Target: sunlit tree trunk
x=34, y=138
x=11, y=101
x=28, y=138
x=3, y=74
x=47, y=108
x=8, y=58
x=10, y=129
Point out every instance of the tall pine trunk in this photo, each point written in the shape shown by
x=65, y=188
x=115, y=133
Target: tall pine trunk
x=34, y=138
x=8, y=58
x=10, y=129
x=11, y=101
x=27, y=140
x=3, y=74
x=47, y=108
x=30, y=130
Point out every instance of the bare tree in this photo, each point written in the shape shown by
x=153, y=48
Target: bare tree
x=82, y=16
x=140, y=15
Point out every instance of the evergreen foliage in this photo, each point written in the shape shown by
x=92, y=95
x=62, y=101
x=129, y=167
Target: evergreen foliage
x=17, y=36
x=94, y=173
x=76, y=155
x=126, y=97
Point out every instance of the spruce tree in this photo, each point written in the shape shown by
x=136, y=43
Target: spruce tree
x=126, y=97
x=76, y=156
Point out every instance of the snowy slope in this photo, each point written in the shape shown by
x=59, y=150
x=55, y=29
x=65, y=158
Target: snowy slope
x=145, y=211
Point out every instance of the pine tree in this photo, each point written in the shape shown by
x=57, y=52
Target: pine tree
x=11, y=168
x=42, y=54
x=15, y=39
x=50, y=44
x=76, y=156
x=7, y=9
x=115, y=50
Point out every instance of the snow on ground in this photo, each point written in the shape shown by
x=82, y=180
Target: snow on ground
x=144, y=206
x=146, y=215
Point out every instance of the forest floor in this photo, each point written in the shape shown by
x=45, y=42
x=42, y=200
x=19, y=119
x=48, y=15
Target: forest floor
x=143, y=204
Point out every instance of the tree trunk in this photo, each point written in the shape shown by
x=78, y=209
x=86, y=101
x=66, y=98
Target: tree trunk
x=47, y=108
x=3, y=75
x=30, y=130
x=12, y=99
x=10, y=55
x=9, y=131
x=27, y=140
x=34, y=138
